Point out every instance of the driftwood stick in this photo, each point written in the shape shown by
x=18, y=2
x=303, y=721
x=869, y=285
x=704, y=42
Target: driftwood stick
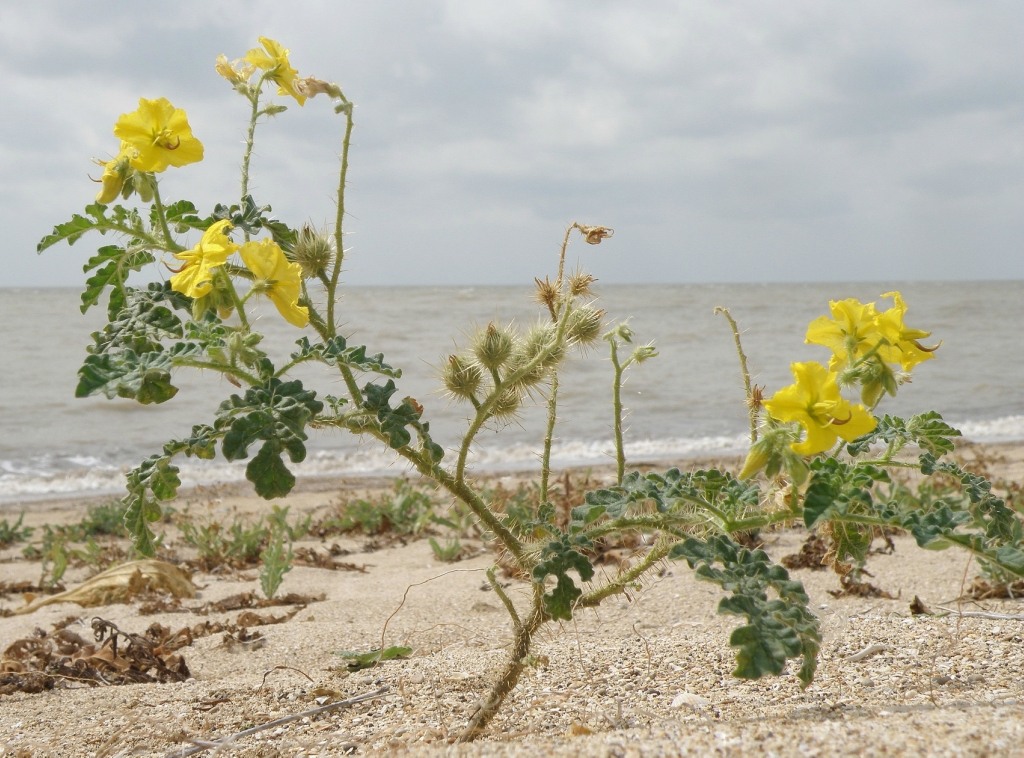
x=202, y=745
x=983, y=614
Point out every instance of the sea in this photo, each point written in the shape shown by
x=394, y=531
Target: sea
x=687, y=402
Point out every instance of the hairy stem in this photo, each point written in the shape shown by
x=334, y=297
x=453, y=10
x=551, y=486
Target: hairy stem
x=505, y=599
x=752, y=406
x=659, y=550
x=229, y=287
x=250, y=135
x=161, y=214
x=518, y=660
x=339, y=221
x=620, y=450
x=549, y=436
x=234, y=371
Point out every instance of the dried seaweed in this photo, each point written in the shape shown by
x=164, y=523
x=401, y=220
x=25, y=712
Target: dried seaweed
x=307, y=556
x=48, y=660
x=983, y=589
x=850, y=587
x=811, y=555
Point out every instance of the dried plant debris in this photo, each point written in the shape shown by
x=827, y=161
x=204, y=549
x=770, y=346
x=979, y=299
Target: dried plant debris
x=243, y=600
x=918, y=608
x=983, y=589
x=811, y=555
x=47, y=660
x=28, y=588
x=121, y=584
x=855, y=587
x=307, y=556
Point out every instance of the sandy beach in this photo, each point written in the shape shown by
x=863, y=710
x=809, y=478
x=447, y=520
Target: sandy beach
x=644, y=674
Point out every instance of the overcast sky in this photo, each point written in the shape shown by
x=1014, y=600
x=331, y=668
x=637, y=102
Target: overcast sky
x=724, y=141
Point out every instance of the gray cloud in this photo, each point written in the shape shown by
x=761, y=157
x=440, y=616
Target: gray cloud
x=724, y=142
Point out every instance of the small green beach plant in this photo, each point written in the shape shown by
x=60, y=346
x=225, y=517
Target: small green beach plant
x=816, y=457
x=16, y=532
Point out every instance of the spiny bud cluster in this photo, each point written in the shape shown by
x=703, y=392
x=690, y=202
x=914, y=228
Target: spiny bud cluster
x=313, y=251
x=502, y=366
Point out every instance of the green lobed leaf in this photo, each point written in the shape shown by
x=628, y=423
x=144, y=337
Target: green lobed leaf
x=144, y=377
x=181, y=216
x=142, y=323
x=251, y=219
x=926, y=430
x=668, y=491
x=838, y=488
x=777, y=628
x=277, y=413
x=1000, y=525
x=96, y=219
x=112, y=266
x=268, y=472
x=335, y=351
x=393, y=421
x=560, y=556
x=153, y=480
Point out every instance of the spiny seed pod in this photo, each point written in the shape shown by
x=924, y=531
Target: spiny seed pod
x=508, y=404
x=547, y=294
x=538, y=340
x=314, y=252
x=541, y=338
x=493, y=347
x=461, y=376
x=585, y=325
x=579, y=284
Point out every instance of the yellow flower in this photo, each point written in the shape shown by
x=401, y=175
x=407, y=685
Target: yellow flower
x=236, y=73
x=274, y=60
x=902, y=344
x=115, y=172
x=814, y=402
x=851, y=333
x=277, y=278
x=195, y=278
x=160, y=135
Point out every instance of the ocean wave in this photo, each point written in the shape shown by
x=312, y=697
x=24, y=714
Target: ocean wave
x=70, y=476
x=1002, y=429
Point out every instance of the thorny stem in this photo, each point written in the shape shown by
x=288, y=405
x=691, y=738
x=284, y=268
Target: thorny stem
x=458, y=487
x=549, y=433
x=751, y=405
x=234, y=371
x=505, y=599
x=549, y=436
x=620, y=452
x=517, y=662
x=339, y=250
x=162, y=215
x=229, y=286
x=660, y=549
x=250, y=135
x=561, y=255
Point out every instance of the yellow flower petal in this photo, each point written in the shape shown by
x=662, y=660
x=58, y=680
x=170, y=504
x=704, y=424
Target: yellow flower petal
x=815, y=403
x=160, y=135
x=274, y=60
x=277, y=278
x=195, y=278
